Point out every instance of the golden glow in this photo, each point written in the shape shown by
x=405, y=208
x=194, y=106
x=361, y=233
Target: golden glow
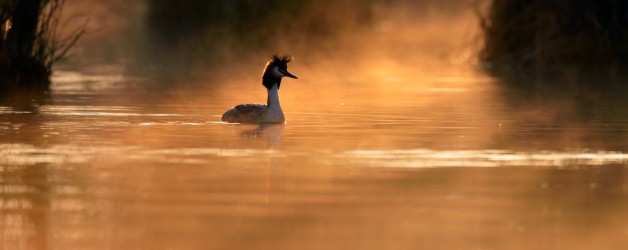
x=5, y=28
x=391, y=138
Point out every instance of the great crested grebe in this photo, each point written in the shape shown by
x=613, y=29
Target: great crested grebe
x=276, y=68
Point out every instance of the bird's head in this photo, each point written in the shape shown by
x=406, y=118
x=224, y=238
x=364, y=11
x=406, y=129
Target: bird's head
x=276, y=68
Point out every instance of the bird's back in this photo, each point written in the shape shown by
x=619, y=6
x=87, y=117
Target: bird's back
x=245, y=113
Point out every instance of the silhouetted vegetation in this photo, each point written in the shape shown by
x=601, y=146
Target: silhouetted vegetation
x=262, y=21
x=184, y=38
x=550, y=41
x=29, y=44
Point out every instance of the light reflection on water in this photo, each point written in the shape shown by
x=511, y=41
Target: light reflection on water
x=447, y=164
x=485, y=158
x=24, y=154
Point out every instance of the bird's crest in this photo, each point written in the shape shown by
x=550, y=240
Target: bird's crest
x=281, y=60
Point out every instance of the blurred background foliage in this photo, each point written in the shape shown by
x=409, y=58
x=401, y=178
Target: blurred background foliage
x=556, y=42
x=190, y=39
x=262, y=21
x=522, y=42
x=186, y=38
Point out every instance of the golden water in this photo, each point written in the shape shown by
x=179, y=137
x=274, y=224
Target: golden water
x=378, y=163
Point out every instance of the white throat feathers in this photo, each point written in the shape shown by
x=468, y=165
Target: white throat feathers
x=274, y=111
x=276, y=73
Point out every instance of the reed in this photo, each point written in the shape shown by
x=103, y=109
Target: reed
x=545, y=40
x=29, y=41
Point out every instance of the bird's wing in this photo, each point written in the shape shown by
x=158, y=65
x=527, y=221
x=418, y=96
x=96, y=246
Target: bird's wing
x=250, y=108
x=244, y=113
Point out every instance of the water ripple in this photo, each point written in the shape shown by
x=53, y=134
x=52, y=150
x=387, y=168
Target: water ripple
x=423, y=158
x=22, y=154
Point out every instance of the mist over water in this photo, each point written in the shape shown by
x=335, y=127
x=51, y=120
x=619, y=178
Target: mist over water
x=394, y=138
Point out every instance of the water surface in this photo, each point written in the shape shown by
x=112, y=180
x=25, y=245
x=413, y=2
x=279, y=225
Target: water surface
x=448, y=162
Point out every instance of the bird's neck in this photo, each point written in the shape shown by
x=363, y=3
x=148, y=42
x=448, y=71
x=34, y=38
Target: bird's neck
x=273, y=97
x=273, y=113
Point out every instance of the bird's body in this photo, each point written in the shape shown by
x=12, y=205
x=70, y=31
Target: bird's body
x=245, y=113
x=275, y=69
x=257, y=113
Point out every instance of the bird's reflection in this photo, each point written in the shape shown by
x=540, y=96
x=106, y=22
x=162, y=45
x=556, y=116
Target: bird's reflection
x=271, y=131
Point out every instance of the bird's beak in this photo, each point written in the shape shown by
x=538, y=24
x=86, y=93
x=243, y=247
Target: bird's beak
x=286, y=73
